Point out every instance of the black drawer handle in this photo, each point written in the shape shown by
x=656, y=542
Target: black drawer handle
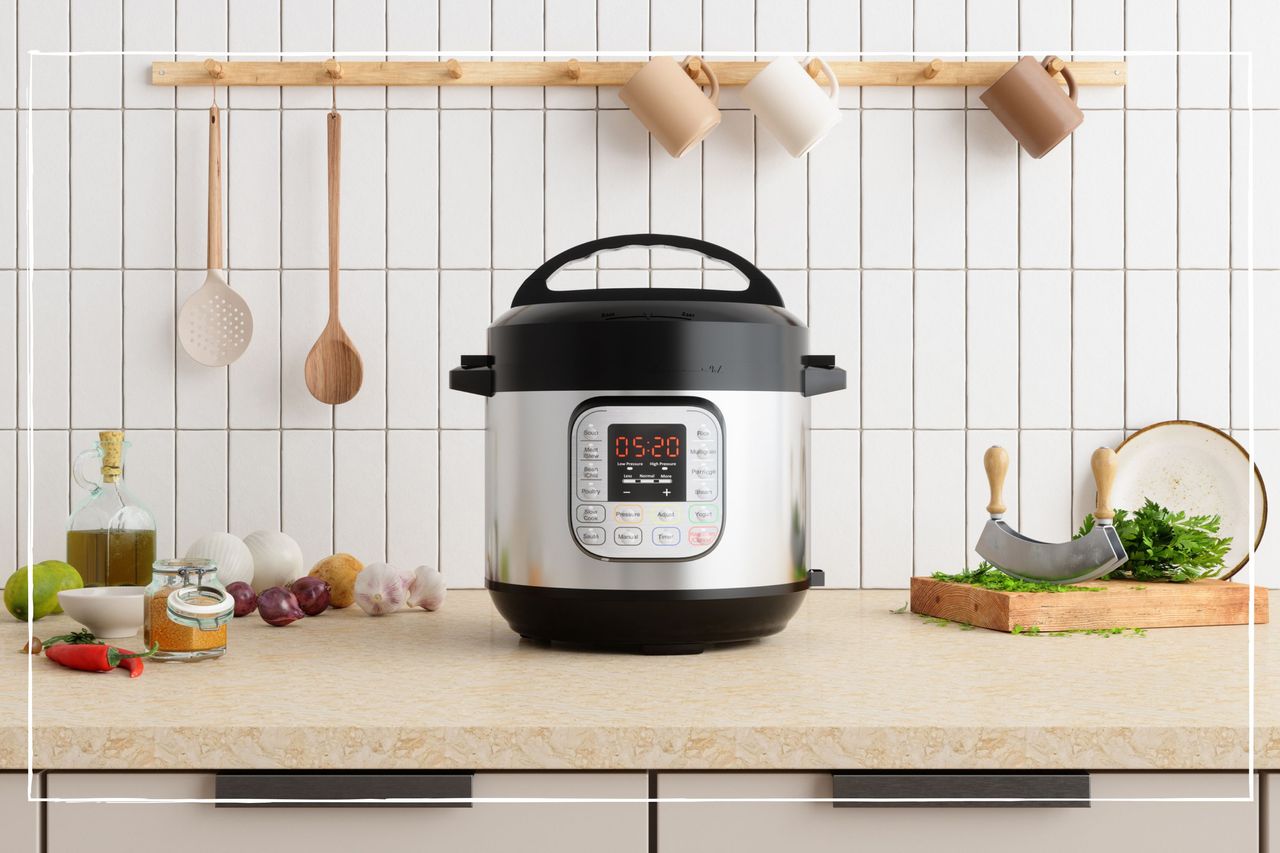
x=302, y=787
x=1069, y=788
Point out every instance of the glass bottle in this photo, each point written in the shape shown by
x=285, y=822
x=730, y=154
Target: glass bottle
x=187, y=611
x=111, y=537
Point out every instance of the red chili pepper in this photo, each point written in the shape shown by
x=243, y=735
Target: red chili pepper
x=95, y=657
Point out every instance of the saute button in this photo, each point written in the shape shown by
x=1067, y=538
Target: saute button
x=704, y=491
x=590, y=432
x=588, y=490
x=591, y=535
x=703, y=514
x=666, y=513
x=590, y=471
x=704, y=432
x=591, y=513
x=627, y=535
x=666, y=536
x=702, y=535
x=590, y=450
x=629, y=514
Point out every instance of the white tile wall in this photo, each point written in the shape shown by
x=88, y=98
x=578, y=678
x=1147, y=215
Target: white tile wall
x=975, y=295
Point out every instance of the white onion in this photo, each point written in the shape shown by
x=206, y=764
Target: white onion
x=427, y=588
x=229, y=554
x=380, y=589
x=277, y=559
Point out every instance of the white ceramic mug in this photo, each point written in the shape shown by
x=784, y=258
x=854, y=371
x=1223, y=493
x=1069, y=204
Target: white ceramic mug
x=792, y=105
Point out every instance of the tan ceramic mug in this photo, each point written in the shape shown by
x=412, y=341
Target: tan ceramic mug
x=1032, y=106
x=671, y=105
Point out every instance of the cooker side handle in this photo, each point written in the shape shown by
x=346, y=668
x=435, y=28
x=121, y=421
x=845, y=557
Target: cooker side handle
x=820, y=375
x=474, y=375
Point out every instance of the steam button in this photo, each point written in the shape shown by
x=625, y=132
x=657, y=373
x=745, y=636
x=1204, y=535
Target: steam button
x=591, y=535
x=627, y=536
x=704, y=491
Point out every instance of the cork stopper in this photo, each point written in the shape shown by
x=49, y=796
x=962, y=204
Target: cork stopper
x=112, y=444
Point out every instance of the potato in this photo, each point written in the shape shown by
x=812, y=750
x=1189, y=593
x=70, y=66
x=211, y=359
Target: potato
x=340, y=571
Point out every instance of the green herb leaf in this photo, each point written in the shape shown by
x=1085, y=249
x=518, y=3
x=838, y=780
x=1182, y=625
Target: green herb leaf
x=902, y=609
x=988, y=576
x=1166, y=546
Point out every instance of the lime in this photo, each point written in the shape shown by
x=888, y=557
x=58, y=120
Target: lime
x=47, y=579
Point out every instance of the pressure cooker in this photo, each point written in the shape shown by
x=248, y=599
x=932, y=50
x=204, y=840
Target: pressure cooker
x=647, y=458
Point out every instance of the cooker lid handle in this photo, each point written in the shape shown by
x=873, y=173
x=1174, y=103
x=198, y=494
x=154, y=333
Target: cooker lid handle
x=760, y=290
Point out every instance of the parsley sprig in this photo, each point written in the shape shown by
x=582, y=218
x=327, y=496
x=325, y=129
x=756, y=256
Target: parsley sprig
x=1167, y=546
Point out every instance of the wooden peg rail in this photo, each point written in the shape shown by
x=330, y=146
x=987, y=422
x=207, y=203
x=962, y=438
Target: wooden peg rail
x=581, y=73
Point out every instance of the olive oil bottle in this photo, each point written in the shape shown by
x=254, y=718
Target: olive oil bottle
x=111, y=537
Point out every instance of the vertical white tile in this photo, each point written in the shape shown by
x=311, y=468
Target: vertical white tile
x=149, y=338
x=95, y=188
x=887, y=510
x=148, y=25
x=781, y=190
x=1097, y=350
x=992, y=323
x=413, y=187
x=835, y=329
x=1097, y=195
x=1150, y=189
x=677, y=189
x=96, y=25
x=835, y=196
x=886, y=343
x=571, y=28
x=253, y=190
x=622, y=199
x=835, y=508
x=517, y=188
x=1204, y=189
x=886, y=30
x=1151, y=25
x=9, y=189
x=836, y=25
x=148, y=189
x=571, y=180
x=1255, y=26
x=50, y=387
x=1084, y=490
x=725, y=25
x=202, y=391
x=9, y=506
x=304, y=193
x=1044, y=26
x=414, y=25
x=1265, y=202
x=9, y=70
x=192, y=194
x=364, y=190
x=254, y=26
x=464, y=316
x=606, y=279
x=992, y=212
x=96, y=343
x=519, y=26
x=413, y=501
x=1204, y=346
x=1044, y=486
x=1263, y=369
x=939, y=189
x=306, y=494
x=464, y=25
x=939, y=501
x=992, y=35
x=201, y=27
x=1045, y=360
x=792, y=284
x=8, y=353
x=1045, y=184
x=253, y=400
x=728, y=184
x=364, y=315
x=361, y=25
x=1098, y=25
x=1204, y=81
x=1151, y=347
x=1263, y=567
x=413, y=369
x=620, y=25
x=781, y=26
x=50, y=210
x=886, y=179
x=253, y=481
x=201, y=481
x=939, y=377
x=304, y=310
x=940, y=28
x=464, y=187
x=307, y=25
x=504, y=287
x=977, y=490
x=44, y=25
x=360, y=494
x=150, y=471
x=50, y=483
x=461, y=522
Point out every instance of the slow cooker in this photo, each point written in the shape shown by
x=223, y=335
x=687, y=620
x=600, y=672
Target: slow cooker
x=646, y=458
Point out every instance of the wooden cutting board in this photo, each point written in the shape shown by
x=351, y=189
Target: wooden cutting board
x=1127, y=604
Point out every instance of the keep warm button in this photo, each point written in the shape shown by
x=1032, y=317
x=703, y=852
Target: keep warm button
x=700, y=536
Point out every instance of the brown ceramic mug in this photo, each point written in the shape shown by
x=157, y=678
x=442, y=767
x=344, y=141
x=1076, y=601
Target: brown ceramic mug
x=671, y=105
x=1032, y=106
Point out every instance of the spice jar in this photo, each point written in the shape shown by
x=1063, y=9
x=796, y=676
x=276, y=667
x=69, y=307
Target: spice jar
x=187, y=610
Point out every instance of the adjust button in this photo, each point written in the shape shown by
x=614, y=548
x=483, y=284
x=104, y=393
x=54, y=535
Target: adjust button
x=628, y=514
x=627, y=536
x=666, y=514
x=591, y=535
x=700, y=536
x=666, y=536
x=590, y=513
x=589, y=490
x=702, y=514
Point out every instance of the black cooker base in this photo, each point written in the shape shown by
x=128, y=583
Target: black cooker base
x=649, y=621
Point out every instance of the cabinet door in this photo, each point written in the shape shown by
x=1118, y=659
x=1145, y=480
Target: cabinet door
x=19, y=818
x=204, y=828
x=818, y=827
x=1271, y=809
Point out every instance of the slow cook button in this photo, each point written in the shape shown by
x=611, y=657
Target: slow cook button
x=627, y=536
x=588, y=490
x=666, y=514
x=703, y=514
x=590, y=471
x=629, y=514
x=591, y=535
x=590, y=450
x=591, y=514
x=704, y=491
x=666, y=536
x=700, y=536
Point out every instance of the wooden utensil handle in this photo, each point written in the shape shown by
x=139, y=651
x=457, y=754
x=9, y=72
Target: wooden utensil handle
x=996, y=461
x=335, y=169
x=1103, y=463
x=215, y=189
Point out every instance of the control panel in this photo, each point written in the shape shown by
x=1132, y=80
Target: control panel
x=647, y=480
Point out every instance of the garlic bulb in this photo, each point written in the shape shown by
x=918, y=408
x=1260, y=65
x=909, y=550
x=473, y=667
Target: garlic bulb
x=427, y=588
x=380, y=589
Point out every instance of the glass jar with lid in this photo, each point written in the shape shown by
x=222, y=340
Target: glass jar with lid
x=187, y=610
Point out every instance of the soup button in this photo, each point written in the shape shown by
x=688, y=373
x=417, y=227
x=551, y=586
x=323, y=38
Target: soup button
x=703, y=535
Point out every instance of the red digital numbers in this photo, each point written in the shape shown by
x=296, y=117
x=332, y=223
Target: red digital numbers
x=640, y=447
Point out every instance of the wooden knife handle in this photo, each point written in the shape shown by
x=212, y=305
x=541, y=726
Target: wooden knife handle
x=996, y=461
x=215, y=189
x=1104, y=475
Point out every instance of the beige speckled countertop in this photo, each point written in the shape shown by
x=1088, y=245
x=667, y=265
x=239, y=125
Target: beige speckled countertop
x=848, y=685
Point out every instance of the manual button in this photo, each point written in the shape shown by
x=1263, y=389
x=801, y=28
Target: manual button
x=591, y=535
x=627, y=536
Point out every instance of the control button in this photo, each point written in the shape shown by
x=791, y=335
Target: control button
x=703, y=535
x=590, y=471
x=704, y=472
x=628, y=514
x=627, y=536
x=589, y=490
x=704, y=432
x=666, y=536
x=590, y=513
x=703, y=450
x=703, y=514
x=666, y=514
x=590, y=432
x=704, y=491
x=590, y=449
x=591, y=535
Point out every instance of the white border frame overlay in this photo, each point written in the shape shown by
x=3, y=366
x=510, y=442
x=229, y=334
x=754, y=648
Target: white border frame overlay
x=1251, y=770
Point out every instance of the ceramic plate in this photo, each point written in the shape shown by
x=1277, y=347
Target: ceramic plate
x=1190, y=466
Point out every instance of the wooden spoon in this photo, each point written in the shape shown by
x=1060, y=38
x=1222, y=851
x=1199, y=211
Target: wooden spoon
x=334, y=370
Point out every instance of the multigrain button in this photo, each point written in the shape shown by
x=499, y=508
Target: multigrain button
x=627, y=536
x=589, y=490
x=591, y=535
x=666, y=514
x=703, y=450
x=666, y=536
x=704, y=513
x=590, y=471
x=702, y=535
x=590, y=450
x=628, y=514
x=590, y=513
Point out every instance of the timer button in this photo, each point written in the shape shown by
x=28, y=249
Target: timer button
x=704, y=432
x=666, y=514
x=666, y=536
x=700, y=536
x=704, y=491
x=589, y=490
x=590, y=513
x=704, y=513
x=591, y=535
x=590, y=471
x=704, y=472
x=628, y=514
x=590, y=450
x=590, y=432
x=627, y=536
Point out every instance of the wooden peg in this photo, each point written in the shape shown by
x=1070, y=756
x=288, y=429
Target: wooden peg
x=814, y=68
x=575, y=69
x=1055, y=66
x=931, y=70
x=693, y=67
x=214, y=67
x=455, y=69
x=333, y=68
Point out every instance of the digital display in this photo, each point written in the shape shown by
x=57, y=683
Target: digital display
x=646, y=462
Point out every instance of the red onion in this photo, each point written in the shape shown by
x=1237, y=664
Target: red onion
x=277, y=606
x=312, y=594
x=243, y=595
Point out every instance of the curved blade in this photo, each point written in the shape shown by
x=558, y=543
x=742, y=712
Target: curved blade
x=1083, y=559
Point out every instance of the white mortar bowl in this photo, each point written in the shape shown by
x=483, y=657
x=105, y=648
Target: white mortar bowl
x=108, y=611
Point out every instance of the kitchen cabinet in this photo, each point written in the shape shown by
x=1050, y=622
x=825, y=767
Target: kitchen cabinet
x=19, y=818
x=1271, y=812
x=819, y=827
x=205, y=828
